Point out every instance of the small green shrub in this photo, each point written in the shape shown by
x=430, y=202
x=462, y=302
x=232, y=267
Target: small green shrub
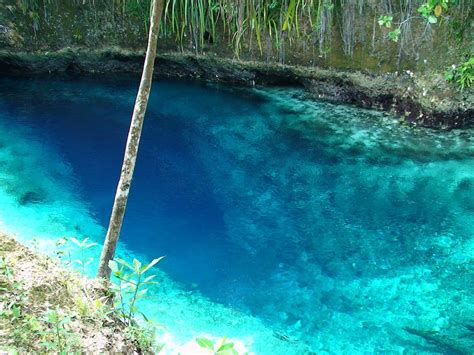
x=57, y=337
x=221, y=348
x=130, y=288
x=463, y=75
x=83, y=246
x=144, y=336
x=131, y=283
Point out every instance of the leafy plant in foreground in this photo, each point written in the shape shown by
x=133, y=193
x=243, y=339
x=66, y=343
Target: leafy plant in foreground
x=131, y=283
x=83, y=246
x=463, y=75
x=221, y=348
x=62, y=339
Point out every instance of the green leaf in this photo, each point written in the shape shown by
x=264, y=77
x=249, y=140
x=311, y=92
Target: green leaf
x=124, y=263
x=65, y=320
x=205, y=343
x=432, y=19
x=393, y=35
x=289, y=15
x=16, y=312
x=151, y=264
x=221, y=343
x=149, y=278
x=425, y=10
x=385, y=20
x=448, y=75
x=144, y=316
x=226, y=347
x=52, y=317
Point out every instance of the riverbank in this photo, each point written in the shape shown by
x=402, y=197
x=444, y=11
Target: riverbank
x=426, y=100
x=45, y=307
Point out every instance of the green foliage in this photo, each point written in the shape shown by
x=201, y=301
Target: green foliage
x=385, y=21
x=221, y=348
x=50, y=330
x=430, y=11
x=83, y=246
x=266, y=25
x=131, y=283
x=394, y=35
x=130, y=288
x=463, y=75
x=77, y=36
x=98, y=309
x=433, y=9
x=144, y=336
x=57, y=337
x=199, y=22
x=39, y=317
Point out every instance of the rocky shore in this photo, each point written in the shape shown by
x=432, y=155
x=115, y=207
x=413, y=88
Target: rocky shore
x=419, y=100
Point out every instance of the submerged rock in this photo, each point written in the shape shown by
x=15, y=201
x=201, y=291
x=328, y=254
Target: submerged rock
x=31, y=197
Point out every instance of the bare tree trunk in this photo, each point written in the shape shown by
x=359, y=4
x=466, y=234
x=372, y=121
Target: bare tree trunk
x=133, y=141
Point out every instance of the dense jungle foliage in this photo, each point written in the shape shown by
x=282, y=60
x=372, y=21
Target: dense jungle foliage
x=383, y=34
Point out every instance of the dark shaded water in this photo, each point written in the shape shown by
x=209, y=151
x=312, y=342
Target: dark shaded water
x=323, y=221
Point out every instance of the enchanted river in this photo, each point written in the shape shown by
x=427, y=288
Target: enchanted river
x=290, y=225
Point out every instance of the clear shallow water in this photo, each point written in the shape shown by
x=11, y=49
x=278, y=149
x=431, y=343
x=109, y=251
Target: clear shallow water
x=292, y=225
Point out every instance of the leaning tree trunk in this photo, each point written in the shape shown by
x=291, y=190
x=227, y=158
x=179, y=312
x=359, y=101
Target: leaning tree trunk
x=133, y=141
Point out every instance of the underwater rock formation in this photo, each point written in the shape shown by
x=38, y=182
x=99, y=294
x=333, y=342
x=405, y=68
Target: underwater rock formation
x=31, y=197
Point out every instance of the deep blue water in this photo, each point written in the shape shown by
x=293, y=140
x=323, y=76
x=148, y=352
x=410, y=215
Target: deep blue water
x=171, y=210
x=307, y=215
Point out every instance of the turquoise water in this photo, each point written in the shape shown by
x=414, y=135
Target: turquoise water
x=289, y=225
